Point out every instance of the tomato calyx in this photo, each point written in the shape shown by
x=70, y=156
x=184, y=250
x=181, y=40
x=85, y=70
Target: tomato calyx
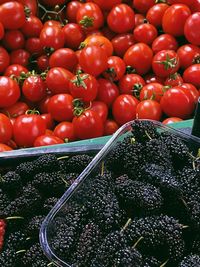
x=111, y=72
x=32, y=112
x=161, y=1
x=196, y=59
x=169, y=63
x=27, y=11
x=79, y=80
x=87, y=22
x=136, y=90
x=130, y=70
x=48, y=50
x=79, y=107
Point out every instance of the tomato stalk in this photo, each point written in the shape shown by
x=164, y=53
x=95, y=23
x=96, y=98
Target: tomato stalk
x=130, y=70
x=136, y=90
x=169, y=63
x=32, y=112
x=57, y=13
x=87, y=22
x=79, y=107
x=79, y=80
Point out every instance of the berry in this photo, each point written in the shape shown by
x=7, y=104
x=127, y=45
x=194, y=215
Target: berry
x=33, y=227
x=11, y=181
x=49, y=203
x=128, y=257
x=77, y=163
x=33, y=254
x=16, y=240
x=191, y=260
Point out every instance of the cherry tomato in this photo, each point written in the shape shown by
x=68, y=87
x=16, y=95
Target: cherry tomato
x=121, y=43
x=164, y=42
x=4, y=148
x=32, y=27
x=32, y=5
x=20, y=56
x=74, y=35
x=174, y=80
x=72, y=9
x=110, y=127
x=155, y=13
x=13, y=39
x=47, y=140
x=124, y=108
x=131, y=84
x=19, y=108
x=107, y=5
x=27, y=128
x=152, y=78
x=192, y=89
x=116, y=68
x=149, y=109
x=48, y=120
x=65, y=131
x=121, y=18
x=153, y=91
x=60, y=107
x=53, y=3
x=191, y=27
x=52, y=37
x=139, y=56
x=100, y=108
x=1, y=31
x=188, y=54
x=88, y=125
x=143, y=6
x=139, y=19
x=171, y=120
x=9, y=91
x=4, y=59
x=192, y=75
x=194, y=6
x=33, y=46
x=174, y=19
x=107, y=91
x=43, y=63
x=145, y=33
x=6, y=129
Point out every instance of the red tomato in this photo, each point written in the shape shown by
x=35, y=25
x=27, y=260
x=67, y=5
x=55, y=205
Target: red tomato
x=6, y=129
x=74, y=35
x=174, y=19
x=12, y=15
x=72, y=9
x=20, y=56
x=188, y=54
x=176, y=103
x=164, y=42
x=90, y=16
x=145, y=33
x=155, y=13
x=1, y=31
x=4, y=148
x=165, y=63
x=60, y=107
x=43, y=63
x=116, y=68
x=139, y=19
x=84, y=86
x=107, y=5
x=149, y=109
x=174, y=80
x=19, y=108
x=65, y=58
x=13, y=39
x=65, y=131
x=47, y=140
x=171, y=120
x=93, y=60
x=124, y=108
x=88, y=125
x=139, y=56
x=33, y=46
x=58, y=80
x=9, y=92
x=152, y=78
x=52, y=37
x=31, y=4
x=192, y=89
x=43, y=105
x=191, y=27
x=32, y=27
x=121, y=43
x=192, y=75
x=186, y=2
x=107, y=91
x=53, y=23
x=153, y=91
x=4, y=59
x=110, y=127
x=143, y=5
x=48, y=120
x=53, y=3
x=100, y=108
x=27, y=128
x=195, y=6
x=131, y=84
x=121, y=18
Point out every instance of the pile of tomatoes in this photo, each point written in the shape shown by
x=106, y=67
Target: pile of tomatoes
x=72, y=70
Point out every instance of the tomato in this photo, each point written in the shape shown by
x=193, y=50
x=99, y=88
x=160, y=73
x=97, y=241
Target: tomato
x=192, y=75
x=12, y=15
x=90, y=16
x=145, y=33
x=4, y=59
x=188, y=54
x=139, y=19
x=1, y=31
x=155, y=13
x=176, y=103
x=43, y=63
x=164, y=42
x=9, y=91
x=33, y=46
x=143, y=6
x=60, y=107
x=153, y=91
x=100, y=108
x=116, y=68
x=186, y=2
x=171, y=120
x=174, y=80
x=65, y=131
x=27, y=128
x=124, y=108
x=52, y=37
x=107, y=5
x=121, y=18
x=17, y=109
x=121, y=43
x=32, y=5
x=43, y=104
x=47, y=140
x=107, y=91
x=165, y=63
x=149, y=109
x=48, y=120
x=71, y=10
x=32, y=27
x=4, y=148
x=20, y=56
x=110, y=127
x=74, y=35
x=139, y=56
x=53, y=23
x=174, y=19
x=192, y=89
x=13, y=39
x=191, y=27
x=34, y=88
x=65, y=58
x=6, y=129
x=93, y=60
x=152, y=78
x=131, y=84
x=88, y=125
x=53, y=3
x=195, y=6
x=58, y=80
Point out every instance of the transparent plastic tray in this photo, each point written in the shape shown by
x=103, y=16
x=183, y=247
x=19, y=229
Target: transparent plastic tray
x=73, y=193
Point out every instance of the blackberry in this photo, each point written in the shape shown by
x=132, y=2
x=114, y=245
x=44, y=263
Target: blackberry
x=135, y=194
x=71, y=177
x=191, y=260
x=128, y=257
x=33, y=226
x=11, y=181
x=77, y=163
x=4, y=202
x=16, y=240
x=196, y=246
x=47, y=162
x=151, y=261
x=26, y=170
x=33, y=254
x=49, y=203
x=8, y=258
x=144, y=130
x=40, y=263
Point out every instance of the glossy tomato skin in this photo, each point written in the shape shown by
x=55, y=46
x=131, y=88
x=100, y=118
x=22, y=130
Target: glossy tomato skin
x=145, y=33
x=4, y=147
x=53, y=3
x=88, y=125
x=6, y=129
x=101, y=109
x=110, y=127
x=9, y=92
x=74, y=35
x=139, y=19
x=33, y=46
x=164, y=42
x=72, y=9
x=188, y=54
x=121, y=18
x=65, y=131
x=149, y=109
x=116, y=68
x=139, y=56
x=124, y=108
x=131, y=84
x=107, y=5
x=107, y=91
x=32, y=27
x=143, y=5
x=191, y=29
x=48, y=120
x=2, y=32
x=152, y=78
x=192, y=75
x=60, y=107
x=52, y=37
x=43, y=63
x=155, y=13
x=153, y=91
x=4, y=59
x=174, y=80
x=15, y=69
x=192, y=89
x=13, y=39
x=121, y=42
x=31, y=4
x=174, y=19
x=27, y=128
x=20, y=56
x=19, y=108
x=47, y=140
x=171, y=120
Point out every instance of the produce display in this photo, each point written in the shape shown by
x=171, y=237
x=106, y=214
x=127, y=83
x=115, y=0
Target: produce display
x=72, y=70
x=138, y=207
x=28, y=192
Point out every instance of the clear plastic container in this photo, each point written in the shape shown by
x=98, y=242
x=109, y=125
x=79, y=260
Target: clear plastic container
x=73, y=194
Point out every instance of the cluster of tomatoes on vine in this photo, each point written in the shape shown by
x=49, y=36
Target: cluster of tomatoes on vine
x=74, y=70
